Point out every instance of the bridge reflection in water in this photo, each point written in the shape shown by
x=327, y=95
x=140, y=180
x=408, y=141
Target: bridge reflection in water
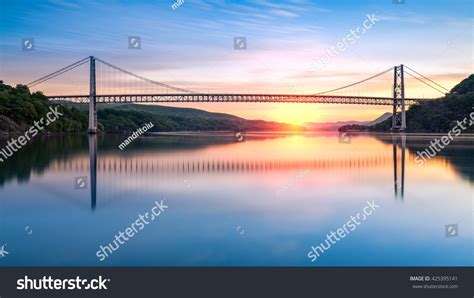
x=93, y=170
x=140, y=165
x=399, y=143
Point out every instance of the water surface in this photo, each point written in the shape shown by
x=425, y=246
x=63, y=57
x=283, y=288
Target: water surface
x=264, y=200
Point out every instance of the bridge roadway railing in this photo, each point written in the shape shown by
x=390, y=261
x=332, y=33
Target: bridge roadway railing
x=268, y=98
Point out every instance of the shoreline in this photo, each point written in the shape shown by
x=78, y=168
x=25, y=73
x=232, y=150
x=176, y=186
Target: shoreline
x=427, y=135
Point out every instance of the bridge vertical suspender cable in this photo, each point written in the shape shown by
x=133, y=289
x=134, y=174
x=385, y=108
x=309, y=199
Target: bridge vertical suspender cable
x=426, y=78
x=356, y=83
x=146, y=79
x=426, y=83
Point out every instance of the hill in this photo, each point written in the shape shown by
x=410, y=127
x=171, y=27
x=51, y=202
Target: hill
x=125, y=117
x=380, y=119
x=19, y=109
x=187, y=119
x=334, y=126
x=440, y=115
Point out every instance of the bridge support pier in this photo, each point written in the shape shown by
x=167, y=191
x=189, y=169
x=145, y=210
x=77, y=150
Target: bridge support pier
x=92, y=99
x=398, y=116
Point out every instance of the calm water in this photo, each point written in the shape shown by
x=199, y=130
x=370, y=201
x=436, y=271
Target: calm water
x=264, y=200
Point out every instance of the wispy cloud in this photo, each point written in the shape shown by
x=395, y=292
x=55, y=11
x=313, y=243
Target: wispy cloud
x=284, y=13
x=404, y=19
x=64, y=3
x=243, y=14
x=296, y=5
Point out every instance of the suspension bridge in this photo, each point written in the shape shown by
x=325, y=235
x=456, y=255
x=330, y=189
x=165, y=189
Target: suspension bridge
x=106, y=87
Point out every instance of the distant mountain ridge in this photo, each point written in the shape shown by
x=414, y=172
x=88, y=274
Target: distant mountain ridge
x=334, y=126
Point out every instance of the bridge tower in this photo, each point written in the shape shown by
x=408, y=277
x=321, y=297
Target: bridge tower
x=92, y=98
x=398, y=116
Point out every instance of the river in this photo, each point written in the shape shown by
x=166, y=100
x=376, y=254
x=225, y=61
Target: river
x=258, y=199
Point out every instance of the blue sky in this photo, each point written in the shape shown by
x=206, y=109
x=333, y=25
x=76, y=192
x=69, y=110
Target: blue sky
x=192, y=45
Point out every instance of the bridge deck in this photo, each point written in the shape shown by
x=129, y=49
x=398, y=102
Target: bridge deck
x=268, y=98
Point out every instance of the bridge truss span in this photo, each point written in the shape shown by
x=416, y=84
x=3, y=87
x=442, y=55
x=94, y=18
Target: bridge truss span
x=251, y=98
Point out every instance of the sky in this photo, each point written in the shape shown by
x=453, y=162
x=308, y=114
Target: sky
x=192, y=46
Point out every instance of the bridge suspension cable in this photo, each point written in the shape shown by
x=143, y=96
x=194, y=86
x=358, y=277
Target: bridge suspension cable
x=353, y=84
x=58, y=72
x=426, y=78
x=415, y=77
x=145, y=79
x=111, y=80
